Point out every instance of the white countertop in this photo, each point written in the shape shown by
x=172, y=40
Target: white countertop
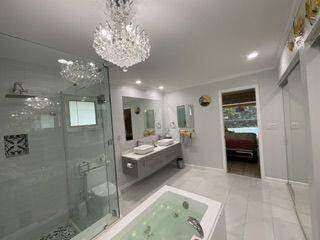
x=135, y=156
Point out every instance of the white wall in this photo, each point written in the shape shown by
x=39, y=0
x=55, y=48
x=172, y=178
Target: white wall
x=297, y=126
x=121, y=145
x=206, y=149
x=310, y=62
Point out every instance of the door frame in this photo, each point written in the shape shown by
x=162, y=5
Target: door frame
x=260, y=137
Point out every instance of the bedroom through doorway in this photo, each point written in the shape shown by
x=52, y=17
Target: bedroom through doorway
x=241, y=132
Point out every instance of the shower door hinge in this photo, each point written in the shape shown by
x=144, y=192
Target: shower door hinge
x=110, y=142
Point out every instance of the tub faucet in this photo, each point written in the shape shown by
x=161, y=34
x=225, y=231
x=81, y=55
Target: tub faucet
x=139, y=142
x=196, y=225
x=154, y=143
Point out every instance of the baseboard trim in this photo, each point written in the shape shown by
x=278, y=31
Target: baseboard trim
x=269, y=179
x=202, y=167
x=277, y=180
x=299, y=183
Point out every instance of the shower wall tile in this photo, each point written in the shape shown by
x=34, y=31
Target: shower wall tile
x=25, y=218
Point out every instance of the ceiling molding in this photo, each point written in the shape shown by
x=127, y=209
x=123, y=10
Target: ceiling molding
x=229, y=77
x=284, y=38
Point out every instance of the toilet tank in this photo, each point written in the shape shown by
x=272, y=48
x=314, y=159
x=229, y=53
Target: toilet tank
x=96, y=177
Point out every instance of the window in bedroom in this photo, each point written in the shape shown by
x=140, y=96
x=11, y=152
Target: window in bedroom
x=241, y=117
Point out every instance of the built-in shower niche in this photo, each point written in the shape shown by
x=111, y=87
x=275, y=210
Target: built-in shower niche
x=16, y=145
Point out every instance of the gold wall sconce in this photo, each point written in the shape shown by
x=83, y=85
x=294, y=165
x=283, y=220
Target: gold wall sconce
x=312, y=9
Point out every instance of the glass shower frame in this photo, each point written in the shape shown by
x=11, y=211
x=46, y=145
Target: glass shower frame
x=104, y=123
x=297, y=129
x=45, y=185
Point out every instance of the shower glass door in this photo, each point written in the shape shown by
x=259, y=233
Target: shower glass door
x=92, y=185
x=295, y=96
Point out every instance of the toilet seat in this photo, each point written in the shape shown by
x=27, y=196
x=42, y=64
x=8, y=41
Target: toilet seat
x=102, y=189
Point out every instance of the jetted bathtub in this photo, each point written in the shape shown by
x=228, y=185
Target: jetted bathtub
x=165, y=215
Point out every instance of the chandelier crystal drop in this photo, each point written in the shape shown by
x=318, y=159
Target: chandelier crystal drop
x=24, y=114
x=81, y=73
x=38, y=103
x=119, y=41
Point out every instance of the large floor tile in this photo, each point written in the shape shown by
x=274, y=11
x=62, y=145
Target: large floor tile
x=259, y=210
x=287, y=231
x=254, y=209
x=260, y=191
x=278, y=201
x=305, y=220
x=258, y=229
x=285, y=214
x=231, y=236
x=235, y=218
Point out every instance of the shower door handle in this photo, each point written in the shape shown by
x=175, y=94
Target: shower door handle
x=110, y=142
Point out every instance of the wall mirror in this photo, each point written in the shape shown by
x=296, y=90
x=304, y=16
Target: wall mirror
x=185, y=116
x=142, y=117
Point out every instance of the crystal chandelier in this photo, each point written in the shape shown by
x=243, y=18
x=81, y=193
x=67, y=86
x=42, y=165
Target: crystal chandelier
x=119, y=41
x=24, y=114
x=38, y=103
x=80, y=73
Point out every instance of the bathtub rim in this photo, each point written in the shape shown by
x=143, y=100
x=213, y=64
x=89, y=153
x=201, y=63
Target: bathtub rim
x=208, y=224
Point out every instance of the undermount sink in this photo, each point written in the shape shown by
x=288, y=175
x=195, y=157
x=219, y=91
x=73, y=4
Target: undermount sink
x=143, y=149
x=165, y=142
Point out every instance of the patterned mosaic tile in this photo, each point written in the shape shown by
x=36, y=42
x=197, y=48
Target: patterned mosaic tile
x=16, y=145
x=61, y=233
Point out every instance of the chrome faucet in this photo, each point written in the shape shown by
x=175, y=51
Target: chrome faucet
x=196, y=225
x=154, y=143
x=139, y=142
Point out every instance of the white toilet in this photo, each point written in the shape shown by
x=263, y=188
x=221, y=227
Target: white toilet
x=99, y=191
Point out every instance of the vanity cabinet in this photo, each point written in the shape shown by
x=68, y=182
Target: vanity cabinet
x=140, y=166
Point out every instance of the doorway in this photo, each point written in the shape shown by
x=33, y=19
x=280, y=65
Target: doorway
x=240, y=120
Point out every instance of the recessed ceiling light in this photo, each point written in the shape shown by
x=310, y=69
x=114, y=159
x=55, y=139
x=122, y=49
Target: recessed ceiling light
x=252, y=55
x=138, y=82
x=161, y=87
x=62, y=61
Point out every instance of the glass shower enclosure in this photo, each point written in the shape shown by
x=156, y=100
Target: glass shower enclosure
x=57, y=164
x=297, y=128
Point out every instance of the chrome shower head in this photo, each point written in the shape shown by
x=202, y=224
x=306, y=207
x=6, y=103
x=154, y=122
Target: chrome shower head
x=18, y=91
x=19, y=96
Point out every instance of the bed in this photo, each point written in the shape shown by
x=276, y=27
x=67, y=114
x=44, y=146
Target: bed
x=242, y=145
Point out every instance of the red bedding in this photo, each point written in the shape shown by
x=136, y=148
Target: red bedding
x=241, y=141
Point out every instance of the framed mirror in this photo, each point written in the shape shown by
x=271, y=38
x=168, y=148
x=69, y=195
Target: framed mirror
x=185, y=116
x=142, y=117
x=149, y=119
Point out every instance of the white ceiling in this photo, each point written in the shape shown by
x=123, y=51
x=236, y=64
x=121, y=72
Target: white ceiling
x=193, y=41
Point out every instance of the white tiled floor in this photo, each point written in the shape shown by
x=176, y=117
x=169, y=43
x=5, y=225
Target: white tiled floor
x=255, y=209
